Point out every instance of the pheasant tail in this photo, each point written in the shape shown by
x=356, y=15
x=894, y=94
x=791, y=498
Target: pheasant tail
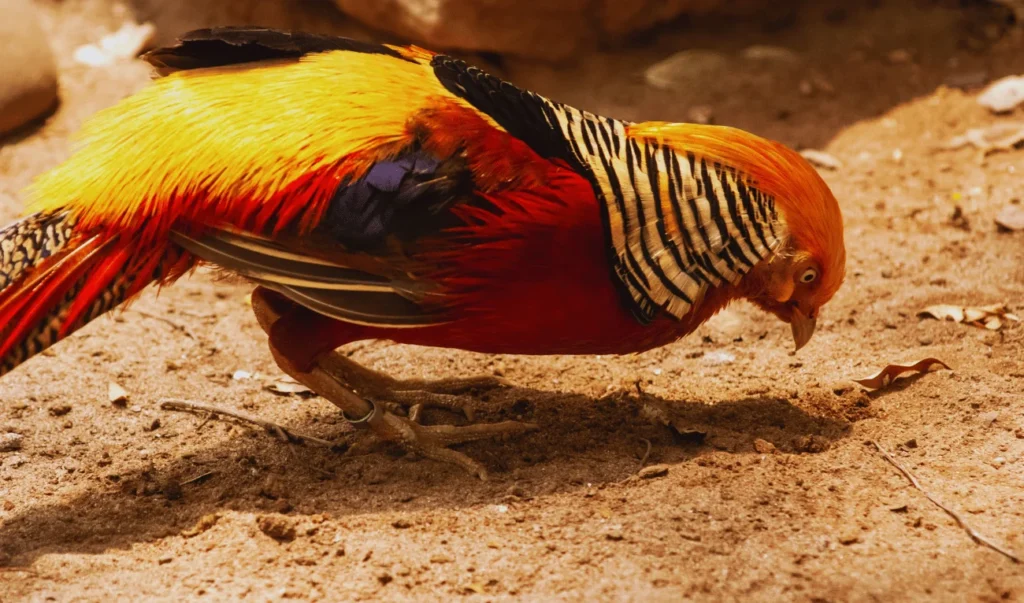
x=54, y=280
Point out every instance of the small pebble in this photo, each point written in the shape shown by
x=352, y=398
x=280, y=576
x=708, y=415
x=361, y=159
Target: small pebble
x=684, y=68
x=653, y=471
x=10, y=442
x=1004, y=95
x=401, y=524
x=277, y=527
x=15, y=460
x=440, y=558
x=1010, y=218
x=60, y=410
x=614, y=535
x=117, y=395
x=763, y=446
x=988, y=418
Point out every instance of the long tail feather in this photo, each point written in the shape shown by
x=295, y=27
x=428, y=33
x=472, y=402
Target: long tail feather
x=54, y=281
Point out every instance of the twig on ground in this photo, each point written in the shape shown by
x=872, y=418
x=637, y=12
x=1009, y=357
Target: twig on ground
x=647, y=453
x=198, y=478
x=167, y=321
x=975, y=536
x=209, y=416
x=285, y=434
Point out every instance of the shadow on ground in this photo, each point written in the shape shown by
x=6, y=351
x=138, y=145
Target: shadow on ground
x=583, y=442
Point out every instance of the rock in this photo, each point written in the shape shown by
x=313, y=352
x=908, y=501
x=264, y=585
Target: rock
x=10, y=442
x=763, y=446
x=821, y=159
x=59, y=410
x=988, y=418
x=28, y=70
x=685, y=69
x=117, y=395
x=1011, y=218
x=1004, y=95
x=277, y=527
x=547, y=30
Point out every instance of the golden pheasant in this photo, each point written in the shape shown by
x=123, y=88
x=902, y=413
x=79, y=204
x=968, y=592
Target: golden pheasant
x=376, y=191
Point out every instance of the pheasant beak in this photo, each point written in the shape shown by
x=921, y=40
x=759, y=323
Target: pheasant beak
x=803, y=327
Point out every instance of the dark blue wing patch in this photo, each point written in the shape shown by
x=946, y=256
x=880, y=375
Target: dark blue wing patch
x=401, y=197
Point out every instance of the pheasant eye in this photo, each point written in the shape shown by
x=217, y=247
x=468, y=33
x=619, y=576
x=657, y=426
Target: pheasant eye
x=809, y=275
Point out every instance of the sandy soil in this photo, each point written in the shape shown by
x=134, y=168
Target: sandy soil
x=103, y=501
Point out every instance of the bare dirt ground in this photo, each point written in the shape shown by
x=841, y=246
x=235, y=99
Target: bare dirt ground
x=98, y=503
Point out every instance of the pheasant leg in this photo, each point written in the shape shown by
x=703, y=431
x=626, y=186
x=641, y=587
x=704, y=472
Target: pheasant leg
x=338, y=379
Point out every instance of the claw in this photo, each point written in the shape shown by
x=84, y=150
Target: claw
x=432, y=441
x=453, y=386
x=426, y=399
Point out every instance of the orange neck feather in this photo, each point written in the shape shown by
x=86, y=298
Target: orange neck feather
x=811, y=212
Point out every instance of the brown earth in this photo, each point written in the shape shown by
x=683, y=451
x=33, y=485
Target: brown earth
x=96, y=504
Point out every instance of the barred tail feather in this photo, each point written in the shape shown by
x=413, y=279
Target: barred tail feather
x=54, y=281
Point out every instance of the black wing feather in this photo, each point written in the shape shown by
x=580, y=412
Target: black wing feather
x=219, y=46
x=523, y=114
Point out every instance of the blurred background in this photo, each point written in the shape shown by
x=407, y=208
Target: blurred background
x=795, y=70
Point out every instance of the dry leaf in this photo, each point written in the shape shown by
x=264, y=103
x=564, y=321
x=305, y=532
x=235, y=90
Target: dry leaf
x=287, y=386
x=990, y=317
x=997, y=137
x=889, y=374
x=117, y=394
x=944, y=312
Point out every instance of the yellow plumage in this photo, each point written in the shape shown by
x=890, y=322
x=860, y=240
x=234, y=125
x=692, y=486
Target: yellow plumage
x=199, y=141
